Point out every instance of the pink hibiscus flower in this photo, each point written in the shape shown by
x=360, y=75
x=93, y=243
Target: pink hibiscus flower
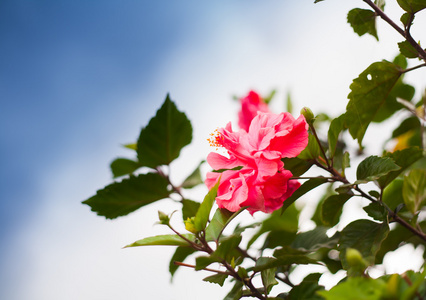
x=262, y=183
x=250, y=105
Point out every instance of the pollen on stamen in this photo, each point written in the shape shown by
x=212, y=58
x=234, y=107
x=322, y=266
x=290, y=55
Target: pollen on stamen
x=215, y=139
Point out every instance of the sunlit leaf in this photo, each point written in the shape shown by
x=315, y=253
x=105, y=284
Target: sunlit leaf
x=164, y=240
x=356, y=288
x=217, y=224
x=203, y=212
x=122, y=198
x=368, y=93
x=165, y=135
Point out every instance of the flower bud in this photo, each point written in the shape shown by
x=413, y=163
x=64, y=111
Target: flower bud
x=164, y=219
x=308, y=114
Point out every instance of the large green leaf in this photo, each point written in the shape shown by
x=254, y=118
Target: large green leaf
x=374, y=167
x=122, y=198
x=412, y=6
x=203, y=213
x=414, y=190
x=356, y=288
x=364, y=235
x=220, y=219
x=363, y=21
x=403, y=158
x=165, y=135
x=164, y=240
x=123, y=166
x=331, y=209
x=368, y=93
x=268, y=279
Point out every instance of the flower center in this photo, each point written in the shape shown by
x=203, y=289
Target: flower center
x=215, y=139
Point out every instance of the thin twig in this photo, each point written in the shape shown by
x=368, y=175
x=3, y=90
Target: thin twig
x=178, y=263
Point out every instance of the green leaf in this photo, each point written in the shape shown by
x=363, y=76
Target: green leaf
x=363, y=21
x=297, y=166
x=373, y=167
x=405, y=19
x=307, y=289
x=133, y=146
x=180, y=254
x=166, y=134
x=312, y=151
x=414, y=190
x=226, y=248
x=376, y=211
x=203, y=212
x=405, y=126
x=289, y=103
x=332, y=208
x=403, y=158
x=202, y=262
x=268, y=279
x=122, y=198
x=412, y=6
x=407, y=50
x=189, y=208
x=217, y=224
x=123, y=166
x=356, y=288
x=236, y=292
x=336, y=126
x=303, y=189
x=217, y=278
x=365, y=236
x=283, y=257
x=314, y=240
x=368, y=93
x=164, y=240
x=194, y=179
x=392, y=194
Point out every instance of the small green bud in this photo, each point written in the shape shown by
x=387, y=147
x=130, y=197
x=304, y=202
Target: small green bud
x=356, y=262
x=189, y=225
x=164, y=219
x=308, y=114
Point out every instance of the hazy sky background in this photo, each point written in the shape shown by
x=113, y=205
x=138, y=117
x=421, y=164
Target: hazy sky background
x=80, y=78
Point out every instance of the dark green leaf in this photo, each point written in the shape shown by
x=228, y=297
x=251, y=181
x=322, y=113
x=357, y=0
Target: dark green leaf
x=164, y=240
x=226, y=248
x=314, y=239
x=332, y=208
x=365, y=236
x=217, y=278
x=202, y=262
x=336, y=126
x=166, y=134
x=303, y=189
x=406, y=125
x=307, y=289
x=284, y=257
x=363, y=21
x=368, y=93
x=374, y=167
x=236, y=292
x=268, y=279
x=203, y=212
x=122, y=198
x=406, y=19
x=189, y=208
x=414, y=190
x=180, y=254
x=376, y=211
x=356, y=288
x=296, y=165
x=194, y=179
x=403, y=158
x=123, y=166
x=412, y=6
x=407, y=49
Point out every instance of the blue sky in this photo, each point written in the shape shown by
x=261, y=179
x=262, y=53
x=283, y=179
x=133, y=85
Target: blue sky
x=80, y=78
